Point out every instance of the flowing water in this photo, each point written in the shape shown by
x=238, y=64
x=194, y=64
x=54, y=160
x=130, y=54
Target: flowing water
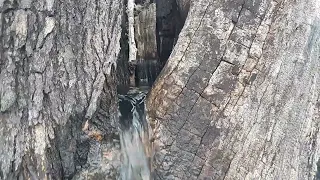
x=134, y=136
x=134, y=128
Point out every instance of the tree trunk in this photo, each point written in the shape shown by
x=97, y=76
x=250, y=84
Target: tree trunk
x=131, y=39
x=57, y=89
x=239, y=97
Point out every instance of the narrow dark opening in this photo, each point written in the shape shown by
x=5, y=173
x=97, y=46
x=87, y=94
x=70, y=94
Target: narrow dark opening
x=145, y=70
x=169, y=25
x=154, y=44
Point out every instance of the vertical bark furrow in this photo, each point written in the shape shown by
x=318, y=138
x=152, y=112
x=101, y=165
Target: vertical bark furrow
x=237, y=97
x=56, y=58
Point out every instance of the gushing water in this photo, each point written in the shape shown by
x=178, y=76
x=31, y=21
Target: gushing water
x=134, y=136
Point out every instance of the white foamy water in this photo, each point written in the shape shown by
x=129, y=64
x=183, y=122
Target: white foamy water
x=133, y=137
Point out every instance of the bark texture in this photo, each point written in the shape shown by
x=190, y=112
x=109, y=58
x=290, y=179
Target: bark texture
x=169, y=24
x=131, y=33
x=57, y=88
x=239, y=97
x=145, y=31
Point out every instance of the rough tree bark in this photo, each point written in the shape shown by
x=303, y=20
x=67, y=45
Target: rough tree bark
x=239, y=97
x=57, y=88
x=131, y=34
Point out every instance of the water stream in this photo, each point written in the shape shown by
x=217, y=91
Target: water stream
x=134, y=135
x=134, y=128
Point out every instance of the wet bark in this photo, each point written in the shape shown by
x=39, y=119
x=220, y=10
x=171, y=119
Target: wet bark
x=58, y=89
x=239, y=97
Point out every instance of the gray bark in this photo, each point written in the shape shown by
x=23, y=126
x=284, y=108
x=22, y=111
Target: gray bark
x=145, y=31
x=57, y=88
x=239, y=97
x=131, y=34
